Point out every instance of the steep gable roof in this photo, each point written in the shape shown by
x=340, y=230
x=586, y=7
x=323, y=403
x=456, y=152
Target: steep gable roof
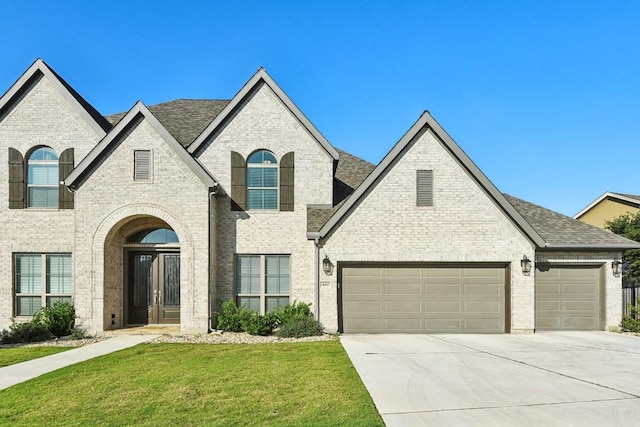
x=39, y=67
x=623, y=198
x=426, y=121
x=185, y=119
x=101, y=149
x=254, y=82
x=563, y=232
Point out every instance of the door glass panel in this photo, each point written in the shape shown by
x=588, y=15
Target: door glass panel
x=142, y=280
x=171, y=280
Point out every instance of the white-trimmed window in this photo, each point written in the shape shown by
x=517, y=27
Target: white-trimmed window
x=262, y=281
x=43, y=178
x=41, y=279
x=262, y=181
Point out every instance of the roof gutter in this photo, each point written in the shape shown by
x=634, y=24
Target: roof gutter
x=592, y=247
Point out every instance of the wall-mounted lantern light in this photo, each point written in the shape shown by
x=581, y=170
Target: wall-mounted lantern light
x=616, y=266
x=327, y=267
x=525, y=263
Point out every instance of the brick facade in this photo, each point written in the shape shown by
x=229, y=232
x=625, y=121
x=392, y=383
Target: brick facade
x=465, y=224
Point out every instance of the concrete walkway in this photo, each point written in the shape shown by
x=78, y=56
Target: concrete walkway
x=20, y=372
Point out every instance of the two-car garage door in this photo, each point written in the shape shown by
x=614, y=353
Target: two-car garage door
x=423, y=299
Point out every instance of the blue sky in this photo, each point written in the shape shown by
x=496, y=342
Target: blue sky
x=543, y=95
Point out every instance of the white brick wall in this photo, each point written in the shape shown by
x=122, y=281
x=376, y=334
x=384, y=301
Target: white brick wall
x=464, y=225
x=42, y=117
x=263, y=122
x=108, y=205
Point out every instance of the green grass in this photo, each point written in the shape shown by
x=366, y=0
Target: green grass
x=9, y=356
x=297, y=384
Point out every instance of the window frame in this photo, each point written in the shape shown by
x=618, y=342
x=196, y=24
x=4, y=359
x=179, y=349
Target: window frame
x=30, y=162
x=276, y=188
x=263, y=295
x=45, y=294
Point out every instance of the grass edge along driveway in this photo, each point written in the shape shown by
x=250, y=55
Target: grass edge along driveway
x=13, y=355
x=292, y=384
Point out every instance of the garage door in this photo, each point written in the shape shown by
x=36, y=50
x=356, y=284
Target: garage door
x=423, y=299
x=567, y=298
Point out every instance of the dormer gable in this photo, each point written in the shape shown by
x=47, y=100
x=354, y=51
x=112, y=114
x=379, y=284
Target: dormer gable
x=39, y=69
x=261, y=77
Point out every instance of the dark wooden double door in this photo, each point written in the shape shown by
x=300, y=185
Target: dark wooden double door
x=154, y=288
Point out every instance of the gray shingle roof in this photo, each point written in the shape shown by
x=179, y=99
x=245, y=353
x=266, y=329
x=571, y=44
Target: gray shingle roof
x=185, y=119
x=350, y=172
x=562, y=231
x=631, y=196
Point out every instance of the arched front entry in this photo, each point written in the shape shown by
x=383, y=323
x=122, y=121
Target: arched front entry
x=142, y=263
x=152, y=277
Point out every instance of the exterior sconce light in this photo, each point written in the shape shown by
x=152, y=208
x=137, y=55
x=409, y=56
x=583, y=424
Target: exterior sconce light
x=616, y=266
x=525, y=263
x=327, y=267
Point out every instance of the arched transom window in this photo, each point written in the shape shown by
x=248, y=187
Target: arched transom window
x=262, y=181
x=43, y=178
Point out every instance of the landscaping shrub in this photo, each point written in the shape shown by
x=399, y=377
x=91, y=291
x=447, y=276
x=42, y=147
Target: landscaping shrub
x=255, y=324
x=300, y=326
x=25, y=332
x=289, y=312
x=232, y=317
x=631, y=321
x=59, y=319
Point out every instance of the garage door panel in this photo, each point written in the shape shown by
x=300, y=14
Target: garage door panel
x=403, y=289
x=492, y=307
x=442, y=289
x=403, y=307
x=448, y=299
x=403, y=325
x=567, y=298
x=442, y=307
x=482, y=289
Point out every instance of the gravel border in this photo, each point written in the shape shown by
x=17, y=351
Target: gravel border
x=179, y=338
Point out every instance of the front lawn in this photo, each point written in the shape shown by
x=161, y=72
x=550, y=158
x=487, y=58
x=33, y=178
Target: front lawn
x=297, y=384
x=9, y=356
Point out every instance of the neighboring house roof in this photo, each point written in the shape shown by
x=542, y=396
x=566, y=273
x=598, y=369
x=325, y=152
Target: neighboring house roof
x=39, y=67
x=259, y=78
x=624, y=198
x=563, y=232
x=185, y=119
x=427, y=121
x=84, y=168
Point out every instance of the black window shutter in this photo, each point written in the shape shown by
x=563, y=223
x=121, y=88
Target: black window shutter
x=238, y=182
x=286, y=182
x=17, y=188
x=65, y=166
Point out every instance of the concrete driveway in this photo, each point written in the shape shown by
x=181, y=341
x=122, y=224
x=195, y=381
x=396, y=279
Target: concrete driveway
x=545, y=379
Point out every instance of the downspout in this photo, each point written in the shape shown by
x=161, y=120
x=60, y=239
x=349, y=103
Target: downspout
x=212, y=193
x=317, y=284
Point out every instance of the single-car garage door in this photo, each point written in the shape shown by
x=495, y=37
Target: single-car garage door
x=423, y=299
x=567, y=298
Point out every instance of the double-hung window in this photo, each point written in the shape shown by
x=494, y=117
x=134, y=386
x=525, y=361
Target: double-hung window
x=39, y=280
x=262, y=281
x=262, y=181
x=43, y=178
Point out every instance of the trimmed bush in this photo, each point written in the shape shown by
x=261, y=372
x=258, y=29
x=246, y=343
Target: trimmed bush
x=631, y=321
x=233, y=317
x=300, y=326
x=25, y=332
x=257, y=325
x=291, y=311
x=59, y=319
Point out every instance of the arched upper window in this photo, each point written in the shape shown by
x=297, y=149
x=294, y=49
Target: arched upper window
x=154, y=235
x=262, y=181
x=43, y=178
